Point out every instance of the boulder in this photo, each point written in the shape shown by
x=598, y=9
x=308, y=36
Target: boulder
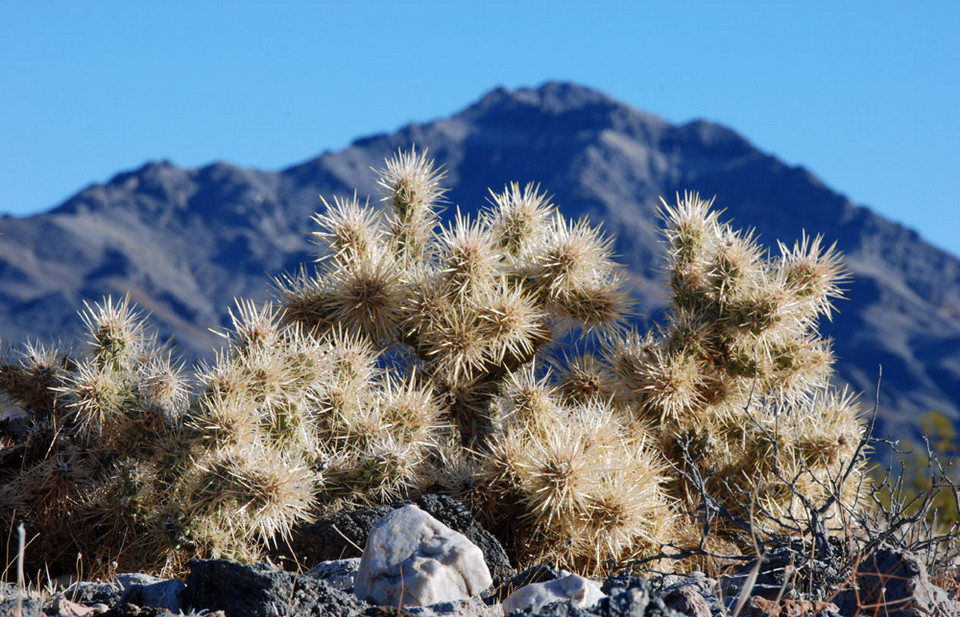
x=457, y=516
x=412, y=559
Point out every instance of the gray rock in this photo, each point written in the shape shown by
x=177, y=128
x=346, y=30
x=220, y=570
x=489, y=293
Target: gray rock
x=127, y=580
x=8, y=590
x=896, y=584
x=340, y=573
x=165, y=594
x=412, y=559
x=534, y=574
x=628, y=596
x=93, y=593
x=473, y=607
x=579, y=591
x=126, y=609
x=28, y=607
x=140, y=589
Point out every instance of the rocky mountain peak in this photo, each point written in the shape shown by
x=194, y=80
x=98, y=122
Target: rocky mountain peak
x=552, y=97
x=559, y=106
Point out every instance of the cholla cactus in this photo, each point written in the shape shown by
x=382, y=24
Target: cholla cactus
x=471, y=300
x=571, y=482
x=121, y=462
x=106, y=428
x=289, y=424
x=489, y=355
x=737, y=380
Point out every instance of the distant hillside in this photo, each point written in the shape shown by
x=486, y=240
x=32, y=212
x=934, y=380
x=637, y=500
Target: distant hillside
x=185, y=242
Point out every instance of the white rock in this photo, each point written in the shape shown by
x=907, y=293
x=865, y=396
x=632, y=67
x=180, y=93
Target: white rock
x=582, y=592
x=412, y=559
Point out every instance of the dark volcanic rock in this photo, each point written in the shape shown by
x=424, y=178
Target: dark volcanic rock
x=138, y=589
x=165, y=594
x=262, y=590
x=789, y=569
x=338, y=536
x=896, y=584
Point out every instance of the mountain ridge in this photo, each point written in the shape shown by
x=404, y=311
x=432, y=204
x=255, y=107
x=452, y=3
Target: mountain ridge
x=185, y=242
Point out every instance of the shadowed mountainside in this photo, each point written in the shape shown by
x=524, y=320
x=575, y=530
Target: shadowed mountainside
x=185, y=242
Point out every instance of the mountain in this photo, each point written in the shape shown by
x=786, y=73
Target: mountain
x=185, y=242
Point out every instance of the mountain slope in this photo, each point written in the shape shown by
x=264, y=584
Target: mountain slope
x=184, y=242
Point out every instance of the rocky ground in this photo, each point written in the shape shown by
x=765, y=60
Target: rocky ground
x=886, y=582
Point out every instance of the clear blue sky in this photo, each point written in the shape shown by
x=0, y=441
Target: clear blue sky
x=865, y=94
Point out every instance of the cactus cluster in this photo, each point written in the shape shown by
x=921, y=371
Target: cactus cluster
x=737, y=380
x=488, y=355
x=118, y=458
x=88, y=463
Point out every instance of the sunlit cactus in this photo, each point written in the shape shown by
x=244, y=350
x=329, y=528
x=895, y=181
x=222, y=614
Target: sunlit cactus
x=490, y=355
x=738, y=379
x=469, y=300
x=288, y=424
x=730, y=380
x=573, y=484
